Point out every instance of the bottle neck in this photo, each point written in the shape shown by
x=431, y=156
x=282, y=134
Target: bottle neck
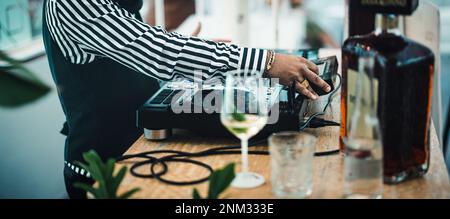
x=387, y=23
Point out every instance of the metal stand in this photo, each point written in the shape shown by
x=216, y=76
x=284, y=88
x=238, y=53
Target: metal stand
x=161, y=134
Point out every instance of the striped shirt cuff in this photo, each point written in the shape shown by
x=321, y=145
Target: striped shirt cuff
x=77, y=169
x=252, y=59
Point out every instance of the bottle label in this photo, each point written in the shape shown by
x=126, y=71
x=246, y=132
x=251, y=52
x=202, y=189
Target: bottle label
x=365, y=107
x=406, y=7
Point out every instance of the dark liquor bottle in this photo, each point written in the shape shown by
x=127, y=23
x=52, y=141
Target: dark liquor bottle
x=403, y=87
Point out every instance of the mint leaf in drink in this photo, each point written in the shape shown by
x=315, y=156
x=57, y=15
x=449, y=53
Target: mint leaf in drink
x=239, y=130
x=240, y=117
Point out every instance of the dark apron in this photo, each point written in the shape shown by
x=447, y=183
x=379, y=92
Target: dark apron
x=99, y=100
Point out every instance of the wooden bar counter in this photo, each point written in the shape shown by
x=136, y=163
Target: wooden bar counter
x=327, y=175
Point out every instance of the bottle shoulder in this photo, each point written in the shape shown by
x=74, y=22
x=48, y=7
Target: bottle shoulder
x=358, y=40
x=415, y=46
x=388, y=47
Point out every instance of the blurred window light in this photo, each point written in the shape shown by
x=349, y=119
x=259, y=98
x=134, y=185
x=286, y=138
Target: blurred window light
x=21, y=28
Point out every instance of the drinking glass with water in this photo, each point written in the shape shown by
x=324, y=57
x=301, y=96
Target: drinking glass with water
x=292, y=164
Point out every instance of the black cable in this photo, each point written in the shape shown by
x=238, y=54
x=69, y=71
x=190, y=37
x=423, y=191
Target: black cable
x=326, y=153
x=152, y=161
x=319, y=123
x=145, y=162
x=180, y=156
x=315, y=115
x=184, y=160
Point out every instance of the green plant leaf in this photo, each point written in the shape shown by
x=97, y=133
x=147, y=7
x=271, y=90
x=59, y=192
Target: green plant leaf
x=95, y=165
x=103, y=173
x=220, y=180
x=109, y=176
x=128, y=194
x=87, y=188
x=98, y=172
x=196, y=194
x=118, y=179
x=18, y=85
x=109, y=168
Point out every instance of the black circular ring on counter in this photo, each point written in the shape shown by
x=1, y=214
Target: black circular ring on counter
x=182, y=160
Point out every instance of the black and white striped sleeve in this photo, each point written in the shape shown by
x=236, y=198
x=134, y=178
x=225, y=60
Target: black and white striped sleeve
x=86, y=29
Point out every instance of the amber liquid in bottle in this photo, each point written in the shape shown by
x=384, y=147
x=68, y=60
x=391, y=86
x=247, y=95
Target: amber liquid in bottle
x=403, y=74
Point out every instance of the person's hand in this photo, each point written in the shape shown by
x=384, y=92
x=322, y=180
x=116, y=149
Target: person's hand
x=292, y=69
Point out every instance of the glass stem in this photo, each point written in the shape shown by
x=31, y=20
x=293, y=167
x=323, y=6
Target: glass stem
x=244, y=150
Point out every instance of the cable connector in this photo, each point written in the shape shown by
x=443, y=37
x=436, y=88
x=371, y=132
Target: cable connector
x=319, y=123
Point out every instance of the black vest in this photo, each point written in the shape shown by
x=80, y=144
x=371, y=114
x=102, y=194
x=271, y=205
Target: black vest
x=99, y=100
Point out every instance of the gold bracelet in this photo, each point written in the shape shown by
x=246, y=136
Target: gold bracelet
x=271, y=60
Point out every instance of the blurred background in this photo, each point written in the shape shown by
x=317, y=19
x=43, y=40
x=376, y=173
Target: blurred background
x=31, y=147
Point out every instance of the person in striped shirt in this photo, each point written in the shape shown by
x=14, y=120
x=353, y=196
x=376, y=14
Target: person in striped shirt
x=105, y=62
